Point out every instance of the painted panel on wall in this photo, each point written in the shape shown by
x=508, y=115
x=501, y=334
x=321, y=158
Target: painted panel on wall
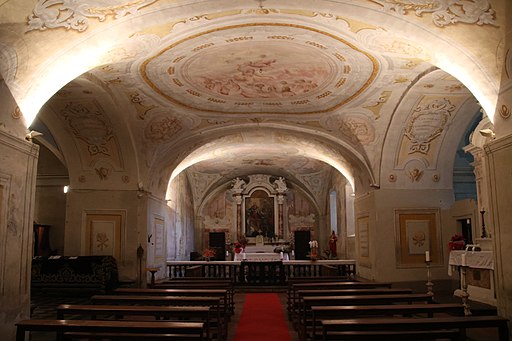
x=159, y=225
x=417, y=231
x=363, y=236
x=103, y=234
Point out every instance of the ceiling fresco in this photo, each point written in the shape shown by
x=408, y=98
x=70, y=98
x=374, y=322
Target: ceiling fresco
x=247, y=68
x=221, y=88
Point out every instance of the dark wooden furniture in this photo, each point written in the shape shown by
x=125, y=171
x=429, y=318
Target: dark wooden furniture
x=262, y=273
x=311, y=328
x=299, y=294
x=95, y=273
x=339, y=329
x=219, y=320
x=223, y=294
x=188, y=313
x=201, y=283
x=234, y=270
x=196, y=329
x=329, y=283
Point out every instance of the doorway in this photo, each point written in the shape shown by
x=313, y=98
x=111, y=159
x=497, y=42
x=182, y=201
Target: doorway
x=302, y=239
x=217, y=241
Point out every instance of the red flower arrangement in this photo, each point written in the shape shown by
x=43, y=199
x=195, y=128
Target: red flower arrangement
x=208, y=253
x=457, y=242
x=238, y=247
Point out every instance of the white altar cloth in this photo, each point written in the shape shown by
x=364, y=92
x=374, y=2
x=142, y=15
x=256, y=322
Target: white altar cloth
x=260, y=256
x=260, y=248
x=474, y=259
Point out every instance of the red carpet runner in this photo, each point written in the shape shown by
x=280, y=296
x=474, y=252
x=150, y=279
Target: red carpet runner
x=262, y=319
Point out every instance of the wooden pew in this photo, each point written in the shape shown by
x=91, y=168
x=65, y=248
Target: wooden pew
x=218, y=320
x=188, y=313
x=223, y=294
x=295, y=309
x=297, y=312
x=322, y=285
x=150, y=328
x=374, y=328
x=337, y=312
x=201, y=283
x=306, y=302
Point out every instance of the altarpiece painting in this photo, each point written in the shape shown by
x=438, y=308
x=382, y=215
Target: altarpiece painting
x=259, y=214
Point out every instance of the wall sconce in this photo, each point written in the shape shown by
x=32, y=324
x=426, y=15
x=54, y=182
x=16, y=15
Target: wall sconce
x=66, y=189
x=488, y=133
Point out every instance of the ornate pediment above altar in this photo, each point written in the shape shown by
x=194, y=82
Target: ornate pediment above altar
x=215, y=223
x=272, y=184
x=300, y=222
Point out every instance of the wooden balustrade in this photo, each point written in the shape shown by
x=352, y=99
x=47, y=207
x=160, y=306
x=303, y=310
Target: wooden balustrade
x=243, y=272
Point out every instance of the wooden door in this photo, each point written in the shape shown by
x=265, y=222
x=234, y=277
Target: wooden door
x=302, y=239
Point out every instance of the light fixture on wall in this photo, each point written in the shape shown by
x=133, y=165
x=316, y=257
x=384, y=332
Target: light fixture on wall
x=32, y=135
x=66, y=189
x=488, y=133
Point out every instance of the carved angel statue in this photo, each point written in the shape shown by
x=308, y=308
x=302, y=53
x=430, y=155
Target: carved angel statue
x=280, y=184
x=238, y=183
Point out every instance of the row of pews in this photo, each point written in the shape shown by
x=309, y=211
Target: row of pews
x=179, y=310
x=333, y=309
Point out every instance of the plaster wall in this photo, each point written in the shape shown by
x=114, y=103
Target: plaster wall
x=499, y=154
x=182, y=225
x=383, y=263
x=51, y=210
x=158, y=222
x=18, y=165
x=133, y=224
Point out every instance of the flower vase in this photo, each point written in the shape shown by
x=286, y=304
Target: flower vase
x=456, y=245
x=314, y=253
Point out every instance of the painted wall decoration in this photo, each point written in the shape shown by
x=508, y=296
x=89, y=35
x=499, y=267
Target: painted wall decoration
x=103, y=233
x=417, y=231
x=159, y=240
x=255, y=73
x=71, y=15
x=363, y=238
x=426, y=123
x=445, y=12
x=302, y=214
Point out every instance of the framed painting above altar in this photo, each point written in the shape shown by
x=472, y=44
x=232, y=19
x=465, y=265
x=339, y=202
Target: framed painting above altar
x=259, y=210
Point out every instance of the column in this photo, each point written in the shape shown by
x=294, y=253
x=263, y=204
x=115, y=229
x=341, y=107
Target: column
x=238, y=201
x=280, y=202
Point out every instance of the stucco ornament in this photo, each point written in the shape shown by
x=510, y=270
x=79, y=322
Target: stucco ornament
x=90, y=125
x=426, y=123
x=445, y=12
x=75, y=14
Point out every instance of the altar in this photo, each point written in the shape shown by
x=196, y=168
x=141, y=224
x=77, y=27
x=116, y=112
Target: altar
x=260, y=256
x=479, y=275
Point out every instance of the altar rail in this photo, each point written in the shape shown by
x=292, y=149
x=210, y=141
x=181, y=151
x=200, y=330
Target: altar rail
x=269, y=273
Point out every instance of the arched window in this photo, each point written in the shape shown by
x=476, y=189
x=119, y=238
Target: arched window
x=349, y=212
x=334, y=211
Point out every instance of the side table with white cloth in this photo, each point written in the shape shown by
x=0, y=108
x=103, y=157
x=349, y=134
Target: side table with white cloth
x=479, y=275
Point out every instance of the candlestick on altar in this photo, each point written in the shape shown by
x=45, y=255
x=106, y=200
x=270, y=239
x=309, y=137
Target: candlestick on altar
x=484, y=233
x=465, y=294
x=429, y=279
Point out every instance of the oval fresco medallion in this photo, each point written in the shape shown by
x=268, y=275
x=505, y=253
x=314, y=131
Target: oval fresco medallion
x=261, y=68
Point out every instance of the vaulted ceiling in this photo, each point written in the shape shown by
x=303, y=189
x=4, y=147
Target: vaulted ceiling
x=136, y=92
